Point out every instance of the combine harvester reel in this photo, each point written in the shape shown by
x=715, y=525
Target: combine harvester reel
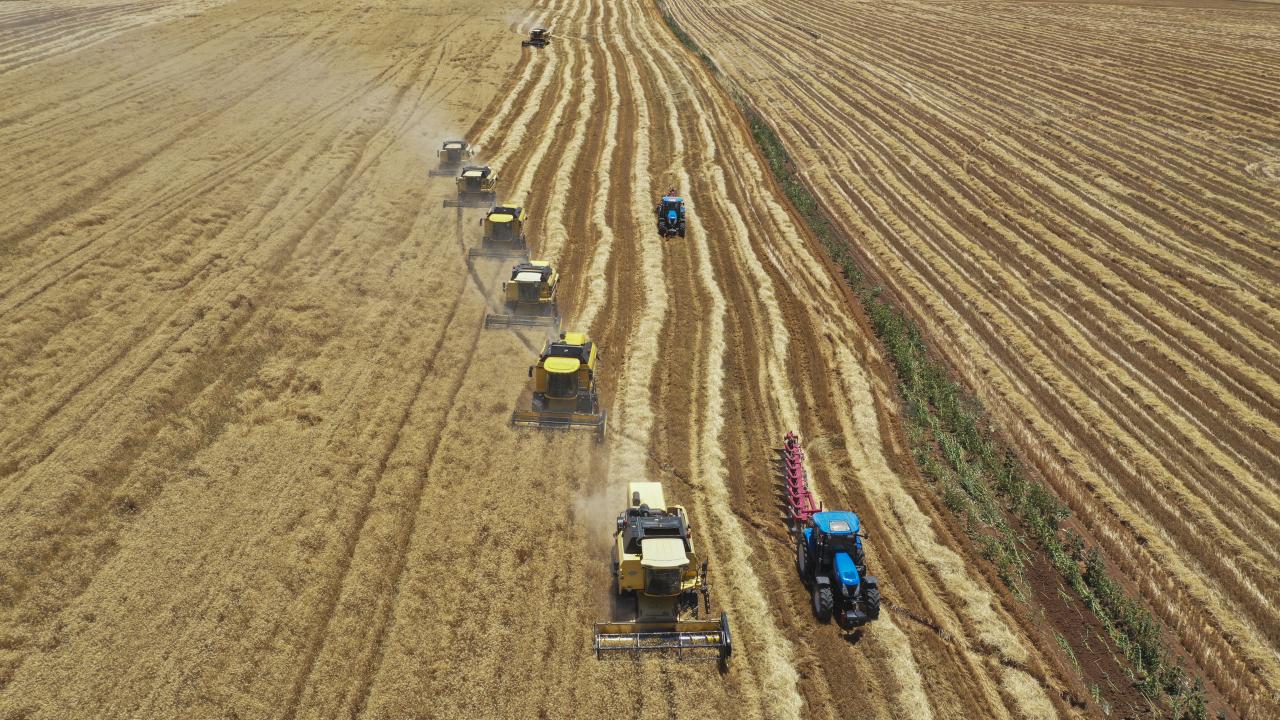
x=529, y=297
x=539, y=37
x=503, y=235
x=654, y=562
x=565, y=391
x=476, y=185
x=829, y=553
x=452, y=154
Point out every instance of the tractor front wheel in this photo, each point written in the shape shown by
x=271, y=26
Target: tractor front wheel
x=871, y=603
x=823, y=603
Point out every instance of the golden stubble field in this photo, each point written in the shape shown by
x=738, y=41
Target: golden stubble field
x=254, y=457
x=1080, y=204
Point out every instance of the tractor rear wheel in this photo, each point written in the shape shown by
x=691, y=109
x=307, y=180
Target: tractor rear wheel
x=800, y=561
x=823, y=603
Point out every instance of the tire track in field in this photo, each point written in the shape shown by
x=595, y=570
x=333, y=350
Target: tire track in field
x=371, y=660
x=934, y=264
x=354, y=169
x=1232, y=444
x=1013, y=646
x=120, y=354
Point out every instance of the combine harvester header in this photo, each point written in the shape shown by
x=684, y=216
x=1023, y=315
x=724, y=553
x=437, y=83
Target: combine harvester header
x=654, y=562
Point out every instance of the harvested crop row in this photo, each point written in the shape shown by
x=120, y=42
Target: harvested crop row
x=263, y=464
x=1105, y=297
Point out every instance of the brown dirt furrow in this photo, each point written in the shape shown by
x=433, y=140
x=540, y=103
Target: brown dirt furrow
x=1040, y=283
x=259, y=462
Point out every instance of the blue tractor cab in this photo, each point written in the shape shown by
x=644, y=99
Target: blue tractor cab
x=831, y=563
x=670, y=215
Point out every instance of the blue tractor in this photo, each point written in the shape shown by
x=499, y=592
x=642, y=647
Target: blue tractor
x=670, y=214
x=830, y=560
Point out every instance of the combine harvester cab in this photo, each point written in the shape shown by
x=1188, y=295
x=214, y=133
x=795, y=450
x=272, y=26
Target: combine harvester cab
x=654, y=562
x=539, y=37
x=503, y=235
x=452, y=154
x=829, y=553
x=476, y=185
x=670, y=215
x=529, y=297
x=565, y=393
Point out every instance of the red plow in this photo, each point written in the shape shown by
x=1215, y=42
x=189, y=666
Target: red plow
x=800, y=503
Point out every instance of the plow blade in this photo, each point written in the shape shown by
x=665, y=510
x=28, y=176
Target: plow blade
x=533, y=418
x=694, y=636
x=501, y=321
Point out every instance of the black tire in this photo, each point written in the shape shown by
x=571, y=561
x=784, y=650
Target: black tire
x=871, y=603
x=823, y=603
x=726, y=641
x=800, y=560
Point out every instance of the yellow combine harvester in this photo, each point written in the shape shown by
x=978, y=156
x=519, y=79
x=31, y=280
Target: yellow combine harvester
x=539, y=37
x=476, y=185
x=654, y=562
x=564, y=387
x=452, y=154
x=503, y=235
x=529, y=296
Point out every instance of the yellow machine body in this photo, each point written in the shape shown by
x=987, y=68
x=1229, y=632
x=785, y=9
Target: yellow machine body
x=654, y=561
x=565, y=393
x=476, y=185
x=529, y=297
